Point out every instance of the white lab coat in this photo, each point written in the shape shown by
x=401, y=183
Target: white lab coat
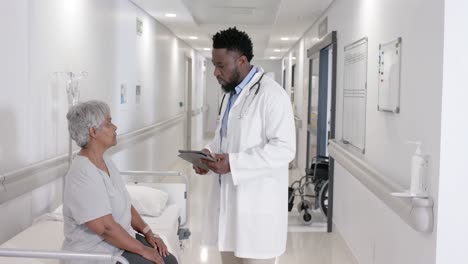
x=247, y=213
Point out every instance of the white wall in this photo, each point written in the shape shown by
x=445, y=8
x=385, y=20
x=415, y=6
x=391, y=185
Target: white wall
x=373, y=232
x=298, y=57
x=198, y=101
x=213, y=99
x=42, y=37
x=14, y=73
x=273, y=66
x=453, y=217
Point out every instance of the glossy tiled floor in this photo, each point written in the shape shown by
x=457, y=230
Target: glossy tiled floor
x=311, y=246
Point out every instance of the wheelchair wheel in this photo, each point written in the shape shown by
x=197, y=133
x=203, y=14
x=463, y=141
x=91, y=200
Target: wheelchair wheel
x=290, y=199
x=304, y=205
x=323, y=198
x=305, y=212
x=306, y=216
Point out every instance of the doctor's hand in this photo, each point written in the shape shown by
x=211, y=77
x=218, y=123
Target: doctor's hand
x=199, y=170
x=221, y=165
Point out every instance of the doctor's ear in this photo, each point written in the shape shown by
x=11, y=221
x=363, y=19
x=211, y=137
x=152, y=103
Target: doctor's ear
x=243, y=59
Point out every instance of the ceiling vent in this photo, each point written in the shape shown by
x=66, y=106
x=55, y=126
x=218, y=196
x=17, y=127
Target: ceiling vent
x=235, y=10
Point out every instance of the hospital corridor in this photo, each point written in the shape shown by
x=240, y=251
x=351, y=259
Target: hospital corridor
x=233, y=131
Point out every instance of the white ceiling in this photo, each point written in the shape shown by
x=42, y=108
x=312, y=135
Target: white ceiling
x=266, y=21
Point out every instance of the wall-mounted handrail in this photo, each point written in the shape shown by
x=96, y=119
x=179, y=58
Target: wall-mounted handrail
x=127, y=139
x=28, y=178
x=48, y=254
x=198, y=111
x=417, y=212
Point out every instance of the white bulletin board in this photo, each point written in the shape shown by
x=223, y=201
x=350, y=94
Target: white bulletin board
x=389, y=76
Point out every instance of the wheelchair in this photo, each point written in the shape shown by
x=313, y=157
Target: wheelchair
x=316, y=179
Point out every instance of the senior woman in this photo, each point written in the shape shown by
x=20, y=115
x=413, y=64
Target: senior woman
x=98, y=215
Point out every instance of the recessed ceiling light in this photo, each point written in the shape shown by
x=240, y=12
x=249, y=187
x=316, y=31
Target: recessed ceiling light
x=193, y=37
x=170, y=15
x=293, y=58
x=272, y=58
x=284, y=38
x=277, y=50
x=207, y=49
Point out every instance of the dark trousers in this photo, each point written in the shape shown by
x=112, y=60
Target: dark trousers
x=137, y=259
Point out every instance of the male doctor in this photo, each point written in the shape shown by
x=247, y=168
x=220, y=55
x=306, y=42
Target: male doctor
x=253, y=145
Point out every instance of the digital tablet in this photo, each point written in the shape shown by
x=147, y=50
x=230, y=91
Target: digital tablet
x=197, y=153
x=194, y=156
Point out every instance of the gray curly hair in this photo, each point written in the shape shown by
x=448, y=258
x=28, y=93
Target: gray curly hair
x=83, y=116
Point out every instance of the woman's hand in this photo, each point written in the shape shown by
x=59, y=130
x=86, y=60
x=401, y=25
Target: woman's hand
x=157, y=243
x=152, y=255
x=162, y=248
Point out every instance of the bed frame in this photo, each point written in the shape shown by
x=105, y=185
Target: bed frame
x=43, y=254
x=175, y=183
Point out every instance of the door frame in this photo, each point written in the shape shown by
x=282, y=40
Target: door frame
x=327, y=43
x=188, y=87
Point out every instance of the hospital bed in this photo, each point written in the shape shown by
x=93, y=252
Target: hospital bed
x=41, y=242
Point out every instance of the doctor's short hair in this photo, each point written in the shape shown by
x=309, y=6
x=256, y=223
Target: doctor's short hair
x=233, y=39
x=83, y=116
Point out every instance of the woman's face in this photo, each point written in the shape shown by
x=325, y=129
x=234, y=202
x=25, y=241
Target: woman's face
x=106, y=133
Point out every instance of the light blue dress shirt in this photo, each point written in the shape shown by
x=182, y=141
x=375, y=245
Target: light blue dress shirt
x=233, y=98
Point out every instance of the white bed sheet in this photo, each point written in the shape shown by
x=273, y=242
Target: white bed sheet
x=47, y=234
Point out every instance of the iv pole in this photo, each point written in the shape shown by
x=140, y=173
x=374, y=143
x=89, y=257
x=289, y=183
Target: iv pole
x=73, y=96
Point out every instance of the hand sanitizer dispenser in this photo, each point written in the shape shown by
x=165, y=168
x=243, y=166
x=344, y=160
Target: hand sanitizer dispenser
x=419, y=164
x=419, y=170
x=420, y=212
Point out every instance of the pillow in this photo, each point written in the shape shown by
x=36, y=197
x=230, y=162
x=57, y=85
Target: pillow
x=59, y=210
x=146, y=200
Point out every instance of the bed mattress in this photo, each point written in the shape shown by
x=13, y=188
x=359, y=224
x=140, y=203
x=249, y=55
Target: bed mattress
x=47, y=234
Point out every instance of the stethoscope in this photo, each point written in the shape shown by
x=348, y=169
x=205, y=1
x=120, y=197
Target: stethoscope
x=242, y=112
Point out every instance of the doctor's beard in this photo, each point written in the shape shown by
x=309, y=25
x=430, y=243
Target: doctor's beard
x=235, y=80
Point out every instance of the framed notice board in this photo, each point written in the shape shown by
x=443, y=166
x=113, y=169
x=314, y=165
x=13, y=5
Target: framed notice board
x=355, y=94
